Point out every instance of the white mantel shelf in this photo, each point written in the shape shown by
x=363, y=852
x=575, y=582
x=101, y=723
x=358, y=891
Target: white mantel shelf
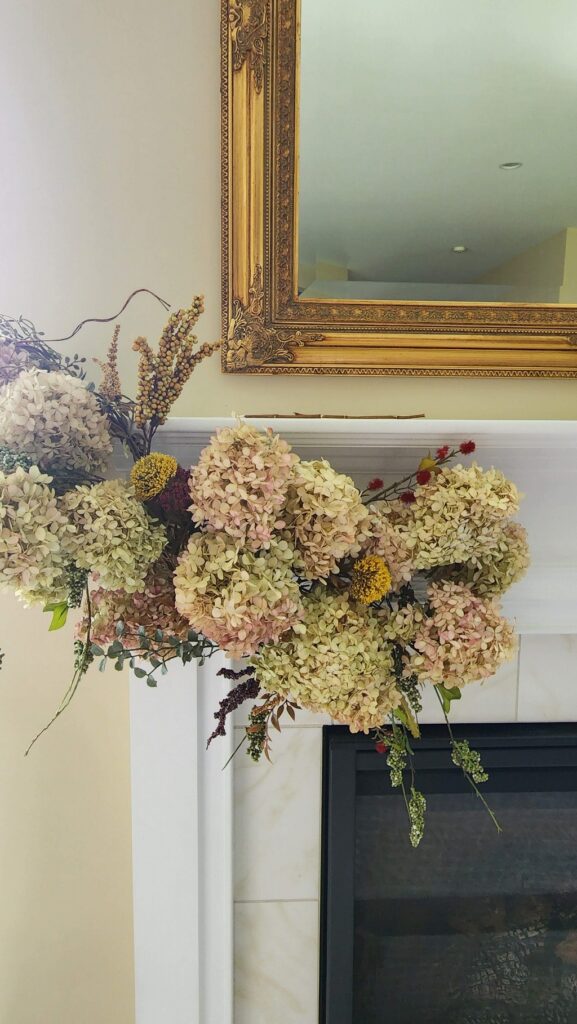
x=182, y=800
x=387, y=433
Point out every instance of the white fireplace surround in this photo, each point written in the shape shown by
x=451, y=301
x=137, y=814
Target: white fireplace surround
x=182, y=800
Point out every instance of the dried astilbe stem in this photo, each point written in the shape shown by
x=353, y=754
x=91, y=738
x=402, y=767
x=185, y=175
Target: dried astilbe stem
x=111, y=387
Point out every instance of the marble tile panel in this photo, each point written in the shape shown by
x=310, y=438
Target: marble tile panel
x=277, y=819
x=548, y=679
x=494, y=700
x=276, y=964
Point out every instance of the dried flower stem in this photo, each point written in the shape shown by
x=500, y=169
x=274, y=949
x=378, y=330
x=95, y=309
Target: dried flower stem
x=466, y=774
x=391, y=490
x=79, y=672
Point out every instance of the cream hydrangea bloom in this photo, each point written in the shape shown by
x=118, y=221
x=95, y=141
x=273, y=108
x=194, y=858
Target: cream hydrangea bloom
x=462, y=640
x=55, y=420
x=235, y=597
x=335, y=661
x=32, y=532
x=239, y=484
x=402, y=625
x=500, y=560
x=115, y=537
x=443, y=525
x=326, y=518
x=386, y=541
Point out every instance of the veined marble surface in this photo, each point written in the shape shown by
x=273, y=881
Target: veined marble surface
x=276, y=962
x=277, y=829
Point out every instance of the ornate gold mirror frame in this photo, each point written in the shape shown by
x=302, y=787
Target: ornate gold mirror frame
x=267, y=327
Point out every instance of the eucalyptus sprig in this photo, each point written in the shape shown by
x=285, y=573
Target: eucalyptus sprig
x=155, y=650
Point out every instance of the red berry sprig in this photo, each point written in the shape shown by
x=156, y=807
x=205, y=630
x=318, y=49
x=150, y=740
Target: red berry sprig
x=422, y=476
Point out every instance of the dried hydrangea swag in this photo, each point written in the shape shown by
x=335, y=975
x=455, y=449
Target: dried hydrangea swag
x=346, y=603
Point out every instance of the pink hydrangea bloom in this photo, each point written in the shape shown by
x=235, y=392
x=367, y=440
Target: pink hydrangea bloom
x=240, y=483
x=153, y=608
x=464, y=638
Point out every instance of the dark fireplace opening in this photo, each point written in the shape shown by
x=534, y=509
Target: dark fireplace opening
x=472, y=927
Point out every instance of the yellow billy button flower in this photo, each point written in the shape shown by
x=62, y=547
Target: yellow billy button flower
x=370, y=579
x=427, y=463
x=150, y=474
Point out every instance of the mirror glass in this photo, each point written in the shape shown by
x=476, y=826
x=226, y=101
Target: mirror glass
x=438, y=150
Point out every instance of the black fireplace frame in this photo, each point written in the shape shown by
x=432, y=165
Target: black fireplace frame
x=519, y=758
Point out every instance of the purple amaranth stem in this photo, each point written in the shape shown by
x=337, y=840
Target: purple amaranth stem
x=246, y=690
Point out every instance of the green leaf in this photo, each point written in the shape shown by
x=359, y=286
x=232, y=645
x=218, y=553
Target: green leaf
x=119, y=628
x=405, y=715
x=102, y=665
x=448, y=694
x=115, y=649
x=59, y=615
x=139, y=673
x=96, y=650
x=150, y=681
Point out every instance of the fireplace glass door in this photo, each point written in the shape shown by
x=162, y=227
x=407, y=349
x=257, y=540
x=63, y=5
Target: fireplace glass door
x=472, y=927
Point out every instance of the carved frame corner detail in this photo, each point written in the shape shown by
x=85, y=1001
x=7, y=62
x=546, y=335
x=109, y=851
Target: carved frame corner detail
x=251, y=342
x=248, y=20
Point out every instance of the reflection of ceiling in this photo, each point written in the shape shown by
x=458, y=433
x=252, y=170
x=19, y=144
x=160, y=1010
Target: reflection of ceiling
x=407, y=110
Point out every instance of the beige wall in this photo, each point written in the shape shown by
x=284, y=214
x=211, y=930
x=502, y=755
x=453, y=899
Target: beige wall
x=568, y=291
x=541, y=267
x=549, y=267
x=65, y=869
x=110, y=181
